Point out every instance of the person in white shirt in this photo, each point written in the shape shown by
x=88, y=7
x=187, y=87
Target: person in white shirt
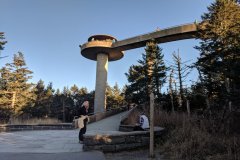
x=143, y=123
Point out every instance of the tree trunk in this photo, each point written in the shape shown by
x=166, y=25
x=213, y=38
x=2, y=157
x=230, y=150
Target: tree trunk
x=63, y=104
x=171, y=90
x=188, y=108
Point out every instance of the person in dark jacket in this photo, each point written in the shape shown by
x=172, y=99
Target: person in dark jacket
x=83, y=112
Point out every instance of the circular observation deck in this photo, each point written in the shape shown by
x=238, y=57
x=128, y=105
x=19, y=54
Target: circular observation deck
x=100, y=44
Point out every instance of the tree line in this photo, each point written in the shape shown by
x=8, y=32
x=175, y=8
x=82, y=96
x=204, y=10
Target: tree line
x=217, y=89
x=20, y=98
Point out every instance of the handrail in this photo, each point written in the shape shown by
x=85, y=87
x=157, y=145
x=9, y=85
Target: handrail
x=127, y=114
x=90, y=114
x=159, y=30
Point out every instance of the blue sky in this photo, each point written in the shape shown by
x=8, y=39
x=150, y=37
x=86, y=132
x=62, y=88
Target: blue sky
x=49, y=33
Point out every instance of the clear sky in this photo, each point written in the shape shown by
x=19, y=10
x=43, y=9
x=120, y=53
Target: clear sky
x=49, y=33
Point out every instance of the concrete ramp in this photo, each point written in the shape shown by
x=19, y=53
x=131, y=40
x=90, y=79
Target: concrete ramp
x=105, y=125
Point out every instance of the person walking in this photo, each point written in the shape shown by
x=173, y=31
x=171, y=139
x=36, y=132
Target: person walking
x=83, y=119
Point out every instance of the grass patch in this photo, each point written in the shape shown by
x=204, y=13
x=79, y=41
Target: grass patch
x=195, y=137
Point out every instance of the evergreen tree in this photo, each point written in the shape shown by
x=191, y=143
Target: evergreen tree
x=2, y=42
x=74, y=90
x=57, y=105
x=49, y=92
x=15, y=77
x=6, y=97
x=219, y=60
x=74, y=94
x=114, y=96
x=67, y=104
x=159, y=68
x=83, y=91
x=136, y=91
x=139, y=77
x=82, y=95
x=109, y=97
x=39, y=109
x=4, y=78
x=118, y=96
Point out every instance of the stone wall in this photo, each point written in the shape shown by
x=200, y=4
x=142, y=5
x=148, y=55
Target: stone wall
x=126, y=128
x=118, y=141
x=61, y=126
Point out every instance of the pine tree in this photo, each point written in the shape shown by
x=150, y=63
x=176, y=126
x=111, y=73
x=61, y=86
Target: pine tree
x=67, y=103
x=2, y=42
x=74, y=93
x=15, y=77
x=49, y=92
x=6, y=97
x=74, y=90
x=82, y=95
x=39, y=109
x=57, y=104
x=219, y=60
x=159, y=67
x=150, y=70
x=118, y=96
x=109, y=97
x=114, y=96
x=137, y=90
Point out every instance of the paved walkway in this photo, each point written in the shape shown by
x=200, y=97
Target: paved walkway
x=53, y=156
x=53, y=144
x=107, y=125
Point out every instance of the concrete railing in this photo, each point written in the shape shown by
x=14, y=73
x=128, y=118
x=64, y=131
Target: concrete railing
x=126, y=128
x=60, y=126
x=125, y=116
x=102, y=115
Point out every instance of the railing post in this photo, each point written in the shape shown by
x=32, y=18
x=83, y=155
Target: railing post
x=152, y=125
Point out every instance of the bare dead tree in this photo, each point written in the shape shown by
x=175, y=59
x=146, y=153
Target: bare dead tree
x=171, y=89
x=182, y=70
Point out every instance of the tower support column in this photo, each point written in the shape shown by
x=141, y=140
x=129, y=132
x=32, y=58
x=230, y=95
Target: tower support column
x=101, y=83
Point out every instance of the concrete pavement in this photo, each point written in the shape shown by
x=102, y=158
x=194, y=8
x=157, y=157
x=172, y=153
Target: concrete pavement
x=53, y=144
x=50, y=141
x=53, y=156
x=47, y=145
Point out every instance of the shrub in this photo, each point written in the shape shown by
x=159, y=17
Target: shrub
x=196, y=139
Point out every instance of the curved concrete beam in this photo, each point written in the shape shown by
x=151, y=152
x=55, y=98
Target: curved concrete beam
x=186, y=31
x=104, y=48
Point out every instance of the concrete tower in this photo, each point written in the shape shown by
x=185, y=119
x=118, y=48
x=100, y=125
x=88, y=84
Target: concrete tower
x=98, y=48
x=104, y=48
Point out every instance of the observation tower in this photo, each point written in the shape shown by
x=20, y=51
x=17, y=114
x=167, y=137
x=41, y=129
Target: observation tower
x=104, y=48
x=98, y=48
